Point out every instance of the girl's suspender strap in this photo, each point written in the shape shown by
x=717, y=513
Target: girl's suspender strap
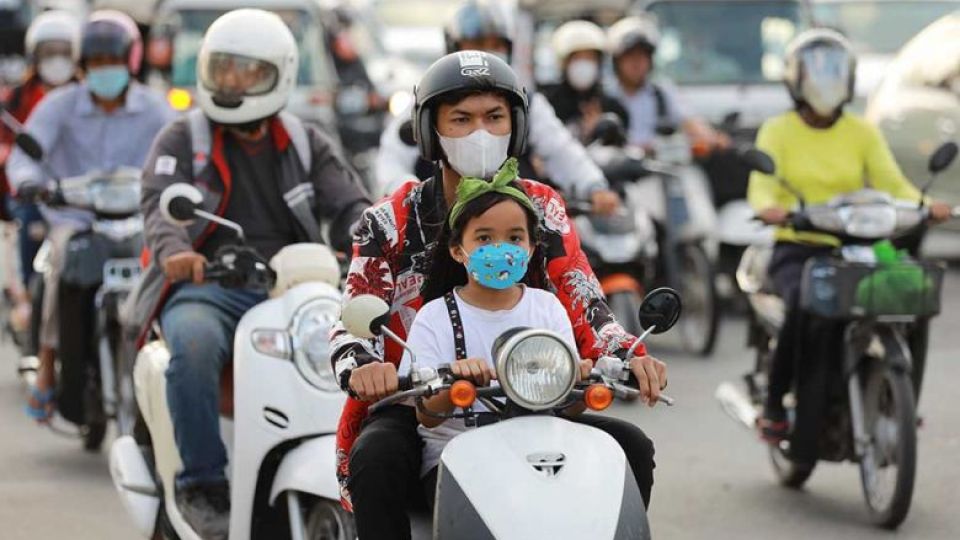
x=459, y=343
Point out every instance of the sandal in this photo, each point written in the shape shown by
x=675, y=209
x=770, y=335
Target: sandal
x=773, y=431
x=42, y=412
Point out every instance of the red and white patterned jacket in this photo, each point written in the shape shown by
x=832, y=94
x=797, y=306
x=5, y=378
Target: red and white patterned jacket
x=391, y=251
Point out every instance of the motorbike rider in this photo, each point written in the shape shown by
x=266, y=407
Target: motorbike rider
x=481, y=25
x=821, y=151
x=468, y=121
x=52, y=47
x=261, y=168
x=106, y=121
x=632, y=42
x=579, y=99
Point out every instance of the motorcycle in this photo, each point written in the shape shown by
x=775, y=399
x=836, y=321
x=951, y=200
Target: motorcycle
x=671, y=191
x=548, y=460
x=859, y=405
x=101, y=265
x=279, y=406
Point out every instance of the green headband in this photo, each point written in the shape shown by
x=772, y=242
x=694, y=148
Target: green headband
x=471, y=187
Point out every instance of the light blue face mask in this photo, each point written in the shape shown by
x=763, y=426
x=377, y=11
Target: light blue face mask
x=108, y=82
x=498, y=266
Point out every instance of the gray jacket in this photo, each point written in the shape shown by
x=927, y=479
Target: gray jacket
x=329, y=192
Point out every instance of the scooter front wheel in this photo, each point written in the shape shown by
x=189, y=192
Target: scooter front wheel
x=701, y=311
x=791, y=474
x=327, y=520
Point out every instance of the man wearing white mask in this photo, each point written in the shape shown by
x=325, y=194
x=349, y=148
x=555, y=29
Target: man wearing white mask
x=579, y=99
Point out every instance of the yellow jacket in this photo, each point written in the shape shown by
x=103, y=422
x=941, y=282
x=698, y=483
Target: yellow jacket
x=821, y=164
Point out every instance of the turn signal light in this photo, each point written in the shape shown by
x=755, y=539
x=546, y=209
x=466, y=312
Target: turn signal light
x=597, y=397
x=463, y=394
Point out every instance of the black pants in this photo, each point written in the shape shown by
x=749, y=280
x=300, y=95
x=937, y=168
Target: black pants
x=385, y=467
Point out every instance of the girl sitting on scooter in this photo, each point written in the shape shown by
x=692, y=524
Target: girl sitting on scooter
x=478, y=287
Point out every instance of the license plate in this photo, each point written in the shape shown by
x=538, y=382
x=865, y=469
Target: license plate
x=121, y=274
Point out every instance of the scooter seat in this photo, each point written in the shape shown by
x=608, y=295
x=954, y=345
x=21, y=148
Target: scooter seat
x=226, y=391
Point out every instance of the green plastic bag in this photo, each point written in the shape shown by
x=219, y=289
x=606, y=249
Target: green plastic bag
x=896, y=287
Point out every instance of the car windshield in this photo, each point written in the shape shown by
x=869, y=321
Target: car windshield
x=713, y=42
x=412, y=29
x=880, y=27
x=190, y=25
x=426, y=13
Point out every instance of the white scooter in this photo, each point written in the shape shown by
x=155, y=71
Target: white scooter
x=525, y=474
x=287, y=403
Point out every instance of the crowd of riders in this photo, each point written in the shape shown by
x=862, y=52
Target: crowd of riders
x=462, y=199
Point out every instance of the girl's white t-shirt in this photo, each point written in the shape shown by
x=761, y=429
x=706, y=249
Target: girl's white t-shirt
x=431, y=338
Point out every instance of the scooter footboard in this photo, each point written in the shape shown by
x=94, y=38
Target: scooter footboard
x=150, y=384
x=309, y=468
x=537, y=477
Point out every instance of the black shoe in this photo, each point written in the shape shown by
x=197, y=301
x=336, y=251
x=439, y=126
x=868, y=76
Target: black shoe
x=206, y=508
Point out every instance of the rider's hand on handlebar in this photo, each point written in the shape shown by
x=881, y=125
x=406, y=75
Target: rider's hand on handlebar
x=774, y=216
x=604, y=202
x=940, y=211
x=475, y=370
x=374, y=381
x=586, y=366
x=183, y=266
x=651, y=377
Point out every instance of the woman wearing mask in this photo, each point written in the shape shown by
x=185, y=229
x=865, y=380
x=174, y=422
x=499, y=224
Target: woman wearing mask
x=579, y=99
x=52, y=48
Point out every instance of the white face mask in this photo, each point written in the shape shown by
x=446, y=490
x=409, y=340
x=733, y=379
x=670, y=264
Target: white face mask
x=479, y=154
x=56, y=70
x=582, y=74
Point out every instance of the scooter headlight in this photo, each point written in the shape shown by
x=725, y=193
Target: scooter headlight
x=536, y=368
x=311, y=342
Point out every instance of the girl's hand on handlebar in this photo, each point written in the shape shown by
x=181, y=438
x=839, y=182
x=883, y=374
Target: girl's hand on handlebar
x=940, y=211
x=774, y=216
x=374, y=381
x=651, y=377
x=586, y=366
x=183, y=266
x=475, y=370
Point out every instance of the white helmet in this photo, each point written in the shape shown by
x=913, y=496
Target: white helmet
x=631, y=32
x=257, y=51
x=54, y=26
x=820, y=70
x=576, y=36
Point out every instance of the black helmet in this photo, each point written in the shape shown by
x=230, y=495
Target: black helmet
x=465, y=71
x=106, y=35
x=476, y=19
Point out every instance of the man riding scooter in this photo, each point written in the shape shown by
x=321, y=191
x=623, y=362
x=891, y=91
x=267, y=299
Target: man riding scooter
x=481, y=25
x=260, y=168
x=103, y=123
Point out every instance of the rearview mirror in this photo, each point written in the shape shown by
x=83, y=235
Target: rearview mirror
x=179, y=203
x=29, y=145
x=660, y=310
x=943, y=157
x=759, y=161
x=363, y=315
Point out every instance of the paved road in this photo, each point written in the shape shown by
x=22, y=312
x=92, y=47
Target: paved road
x=713, y=479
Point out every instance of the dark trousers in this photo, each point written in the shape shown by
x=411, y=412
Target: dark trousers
x=385, y=467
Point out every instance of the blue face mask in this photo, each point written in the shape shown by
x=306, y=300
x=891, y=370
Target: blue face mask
x=498, y=266
x=108, y=82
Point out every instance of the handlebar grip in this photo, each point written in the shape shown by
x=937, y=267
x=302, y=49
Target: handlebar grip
x=405, y=383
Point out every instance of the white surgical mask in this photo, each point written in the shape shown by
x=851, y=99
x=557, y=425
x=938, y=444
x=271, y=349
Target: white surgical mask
x=56, y=70
x=479, y=154
x=582, y=74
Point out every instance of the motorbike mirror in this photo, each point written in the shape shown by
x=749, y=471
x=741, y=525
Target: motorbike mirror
x=660, y=310
x=609, y=131
x=759, y=161
x=943, y=157
x=179, y=202
x=364, y=315
x=29, y=145
x=730, y=120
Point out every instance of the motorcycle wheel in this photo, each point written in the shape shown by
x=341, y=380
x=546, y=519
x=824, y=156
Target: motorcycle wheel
x=697, y=288
x=327, y=520
x=625, y=306
x=94, y=429
x=791, y=474
x=888, y=468
x=36, y=288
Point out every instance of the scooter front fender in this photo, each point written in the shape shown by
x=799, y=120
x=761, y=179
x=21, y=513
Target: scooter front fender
x=309, y=468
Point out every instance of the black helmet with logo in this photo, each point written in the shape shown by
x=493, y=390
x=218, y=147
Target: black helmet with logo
x=465, y=72
x=477, y=19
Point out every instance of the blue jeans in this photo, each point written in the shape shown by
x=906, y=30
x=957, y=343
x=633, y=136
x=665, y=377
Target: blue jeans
x=198, y=324
x=26, y=215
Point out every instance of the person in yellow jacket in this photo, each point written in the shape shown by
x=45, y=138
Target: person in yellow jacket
x=822, y=151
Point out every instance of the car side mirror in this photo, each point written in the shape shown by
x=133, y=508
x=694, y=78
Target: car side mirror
x=758, y=160
x=365, y=315
x=179, y=203
x=660, y=310
x=29, y=145
x=943, y=157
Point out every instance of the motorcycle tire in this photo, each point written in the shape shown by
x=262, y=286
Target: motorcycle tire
x=327, y=520
x=625, y=306
x=889, y=407
x=35, y=287
x=94, y=428
x=700, y=319
x=791, y=474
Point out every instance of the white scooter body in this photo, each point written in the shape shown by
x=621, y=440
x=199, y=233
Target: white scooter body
x=536, y=477
x=273, y=404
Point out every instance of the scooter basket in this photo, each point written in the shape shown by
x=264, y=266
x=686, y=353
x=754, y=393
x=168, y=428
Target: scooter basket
x=839, y=289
